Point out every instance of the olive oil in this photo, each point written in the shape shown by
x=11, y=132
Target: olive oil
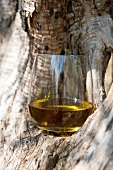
x=60, y=115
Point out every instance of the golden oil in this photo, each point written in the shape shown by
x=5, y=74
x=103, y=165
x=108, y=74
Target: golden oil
x=61, y=115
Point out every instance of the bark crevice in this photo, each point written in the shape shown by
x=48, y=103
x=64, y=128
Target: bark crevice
x=90, y=31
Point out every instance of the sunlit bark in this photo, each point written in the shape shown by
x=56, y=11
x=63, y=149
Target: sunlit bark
x=42, y=27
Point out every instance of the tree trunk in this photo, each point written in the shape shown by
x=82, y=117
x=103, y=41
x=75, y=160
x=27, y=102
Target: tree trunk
x=29, y=28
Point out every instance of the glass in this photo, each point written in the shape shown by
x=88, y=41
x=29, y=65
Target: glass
x=57, y=96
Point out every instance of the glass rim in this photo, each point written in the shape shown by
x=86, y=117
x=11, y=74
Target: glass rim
x=45, y=54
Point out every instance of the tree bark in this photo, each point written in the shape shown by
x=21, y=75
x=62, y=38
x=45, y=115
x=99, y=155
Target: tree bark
x=40, y=27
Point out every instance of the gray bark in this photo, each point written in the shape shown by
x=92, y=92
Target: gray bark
x=22, y=144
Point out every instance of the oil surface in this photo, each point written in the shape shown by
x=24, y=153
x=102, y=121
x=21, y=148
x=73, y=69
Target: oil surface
x=63, y=115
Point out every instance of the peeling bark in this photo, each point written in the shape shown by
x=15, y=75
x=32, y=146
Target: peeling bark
x=89, y=25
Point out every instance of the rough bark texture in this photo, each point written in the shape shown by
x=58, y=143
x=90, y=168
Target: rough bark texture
x=41, y=28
